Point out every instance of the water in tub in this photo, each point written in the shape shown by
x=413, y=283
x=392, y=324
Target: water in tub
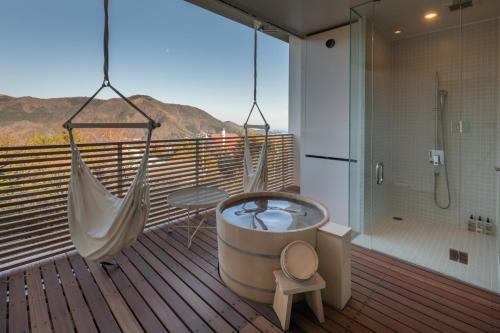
x=272, y=214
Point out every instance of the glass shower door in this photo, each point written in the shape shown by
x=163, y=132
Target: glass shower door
x=360, y=202
x=370, y=135
x=378, y=127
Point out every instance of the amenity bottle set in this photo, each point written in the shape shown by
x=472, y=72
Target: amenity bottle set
x=480, y=225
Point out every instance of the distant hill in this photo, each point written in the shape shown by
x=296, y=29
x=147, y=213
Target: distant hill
x=23, y=117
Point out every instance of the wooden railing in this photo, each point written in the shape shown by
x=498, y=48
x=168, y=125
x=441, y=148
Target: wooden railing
x=34, y=181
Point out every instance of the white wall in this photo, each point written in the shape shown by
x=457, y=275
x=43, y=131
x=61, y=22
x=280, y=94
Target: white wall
x=319, y=117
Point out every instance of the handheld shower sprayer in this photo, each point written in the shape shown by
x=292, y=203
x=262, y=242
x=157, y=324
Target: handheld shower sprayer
x=443, y=94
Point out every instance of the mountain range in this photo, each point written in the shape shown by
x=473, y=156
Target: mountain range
x=24, y=117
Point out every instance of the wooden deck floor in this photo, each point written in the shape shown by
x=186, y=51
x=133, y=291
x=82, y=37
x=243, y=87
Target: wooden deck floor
x=160, y=285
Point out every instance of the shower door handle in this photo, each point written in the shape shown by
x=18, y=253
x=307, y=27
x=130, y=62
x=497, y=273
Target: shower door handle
x=379, y=172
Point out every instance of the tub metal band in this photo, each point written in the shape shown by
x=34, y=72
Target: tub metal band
x=267, y=256
x=264, y=290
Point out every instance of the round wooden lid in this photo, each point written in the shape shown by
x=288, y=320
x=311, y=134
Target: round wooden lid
x=299, y=260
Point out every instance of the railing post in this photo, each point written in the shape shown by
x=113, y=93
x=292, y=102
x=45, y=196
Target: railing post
x=119, y=168
x=282, y=162
x=197, y=166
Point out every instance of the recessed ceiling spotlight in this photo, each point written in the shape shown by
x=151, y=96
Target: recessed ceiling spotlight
x=430, y=15
x=398, y=32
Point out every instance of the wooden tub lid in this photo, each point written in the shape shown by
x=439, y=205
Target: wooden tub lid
x=299, y=260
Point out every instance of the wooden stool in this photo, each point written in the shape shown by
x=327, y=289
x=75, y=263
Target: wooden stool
x=286, y=288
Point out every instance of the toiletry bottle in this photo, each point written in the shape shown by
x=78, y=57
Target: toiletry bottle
x=488, y=227
x=471, y=225
x=479, y=225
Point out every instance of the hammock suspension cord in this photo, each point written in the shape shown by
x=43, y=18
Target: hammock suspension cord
x=69, y=124
x=255, y=179
x=255, y=104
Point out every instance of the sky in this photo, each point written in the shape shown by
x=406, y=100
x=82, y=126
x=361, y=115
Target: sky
x=171, y=50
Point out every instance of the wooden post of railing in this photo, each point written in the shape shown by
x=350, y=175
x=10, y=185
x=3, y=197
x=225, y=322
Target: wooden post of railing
x=119, y=168
x=197, y=165
x=282, y=162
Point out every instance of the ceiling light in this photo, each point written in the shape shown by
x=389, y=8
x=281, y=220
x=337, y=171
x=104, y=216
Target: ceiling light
x=430, y=15
x=398, y=31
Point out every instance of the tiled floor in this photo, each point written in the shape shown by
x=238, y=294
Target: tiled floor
x=427, y=244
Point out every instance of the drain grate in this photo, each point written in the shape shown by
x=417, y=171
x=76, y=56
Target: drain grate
x=397, y=218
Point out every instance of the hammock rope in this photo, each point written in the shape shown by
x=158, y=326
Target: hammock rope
x=105, y=66
x=106, y=83
x=255, y=179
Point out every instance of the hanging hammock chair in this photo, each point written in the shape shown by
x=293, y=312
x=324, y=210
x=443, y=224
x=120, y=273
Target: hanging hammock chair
x=102, y=224
x=255, y=178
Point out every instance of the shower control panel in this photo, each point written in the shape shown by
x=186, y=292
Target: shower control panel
x=436, y=156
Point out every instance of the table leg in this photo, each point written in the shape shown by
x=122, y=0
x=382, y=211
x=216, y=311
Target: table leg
x=190, y=238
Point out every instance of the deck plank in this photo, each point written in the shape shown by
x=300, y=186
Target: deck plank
x=18, y=312
x=200, y=267
x=453, y=294
x=39, y=312
x=3, y=303
x=213, y=283
x=79, y=309
x=195, y=282
x=164, y=313
x=378, y=310
x=187, y=314
x=438, y=303
x=124, y=316
x=423, y=272
x=142, y=311
x=181, y=247
x=59, y=313
x=211, y=317
x=265, y=310
x=98, y=306
x=396, y=301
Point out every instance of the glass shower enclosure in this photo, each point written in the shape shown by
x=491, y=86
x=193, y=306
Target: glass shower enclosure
x=425, y=134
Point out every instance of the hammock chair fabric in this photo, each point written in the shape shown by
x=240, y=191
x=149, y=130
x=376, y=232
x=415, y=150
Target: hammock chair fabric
x=100, y=223
x=255, y=178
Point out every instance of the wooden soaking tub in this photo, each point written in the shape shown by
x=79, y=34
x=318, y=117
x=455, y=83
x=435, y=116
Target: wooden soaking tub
x=253, y=229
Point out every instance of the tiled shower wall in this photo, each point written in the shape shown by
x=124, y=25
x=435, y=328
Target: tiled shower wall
x=472, y=97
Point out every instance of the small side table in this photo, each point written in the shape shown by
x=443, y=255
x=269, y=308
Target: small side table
x=286, y=288
x=197, y=197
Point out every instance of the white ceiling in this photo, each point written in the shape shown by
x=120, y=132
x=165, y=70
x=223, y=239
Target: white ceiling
x=408, y=15
x=297, y=17
x=305, y=17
